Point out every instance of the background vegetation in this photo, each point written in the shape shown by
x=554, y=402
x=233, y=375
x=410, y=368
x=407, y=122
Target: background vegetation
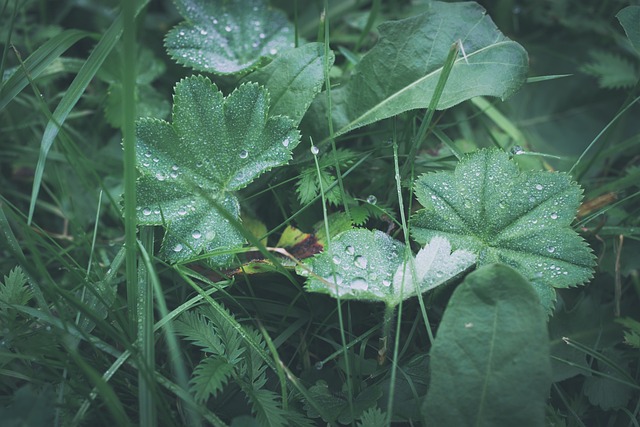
x=80, y=345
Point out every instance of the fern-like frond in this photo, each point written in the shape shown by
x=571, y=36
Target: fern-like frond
x=266, y=407
x=14, y=290
x=227, y=333
x=612, y=70
x=308, y=187
x=195, y=327
x=372, y=417
x=344, y=156
x=209, y=377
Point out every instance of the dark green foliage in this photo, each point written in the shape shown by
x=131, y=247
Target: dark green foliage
x=224, y=332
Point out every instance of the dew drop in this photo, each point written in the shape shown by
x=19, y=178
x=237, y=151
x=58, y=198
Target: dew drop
x=147, y=154
x=155, y=160
x=539, y=187
x=203, y=32
x=361, y=261
x=199, y=164
x=372, y=200
x=286, y=142
x=314, y=150
x=319, y=365
x=273, y=51
x=359, y=284
x=210, y=235
x=174, y=174
x=350, y=250
x=554, y=215
x=182, y=211
x=551, y=249
x=386, y=283
x=174, y=167
x=262, y=35
x=227, y=28
x=196, y=234
x=244, y=154
x=160, y=176
x=181, y=33
x=177, y=248
x=215, y=21
x=336, y=259
x=516, y=150
x=146, y=211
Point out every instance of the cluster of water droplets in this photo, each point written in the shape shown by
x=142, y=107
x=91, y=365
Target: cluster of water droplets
x=358, y=265
x=231, y=41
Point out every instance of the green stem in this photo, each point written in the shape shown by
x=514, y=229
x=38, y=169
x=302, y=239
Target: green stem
x=385, y=339
x=146, y=365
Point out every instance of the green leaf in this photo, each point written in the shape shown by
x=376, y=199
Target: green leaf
x=14, y=290
x=209, y=377
x=266, y=406
x=589, y=322
x=611, y=70
x=227, y=37
x=197, y=329
x=490, y=359
x=609, y=392
x=401, y=71
x=37, y=63
x=337, y=404
x=369, y=265
x=189, y=168
x=522, y=219
x=632, y=331
x=629, y=18
x=373, y=417
x=293, y=79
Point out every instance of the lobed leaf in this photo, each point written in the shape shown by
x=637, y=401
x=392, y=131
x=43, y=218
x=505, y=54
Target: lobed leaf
x=189, y=168
x=370, y=265
x=227, y=37
x=522, y=219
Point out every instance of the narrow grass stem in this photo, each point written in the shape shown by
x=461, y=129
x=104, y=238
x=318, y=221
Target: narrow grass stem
x=343, y=338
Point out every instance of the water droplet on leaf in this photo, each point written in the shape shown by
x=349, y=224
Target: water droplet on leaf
x=314, y=150
x=177, y=248
x=146, y=211
x=361, y=261
x=372, y=200
x=244, y=154
x=516, y=150
x=196, y=234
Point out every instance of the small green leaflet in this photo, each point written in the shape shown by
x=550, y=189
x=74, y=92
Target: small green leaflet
x=522, y=219
x=227, y=37
x=190, y=168
x=370, y=265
